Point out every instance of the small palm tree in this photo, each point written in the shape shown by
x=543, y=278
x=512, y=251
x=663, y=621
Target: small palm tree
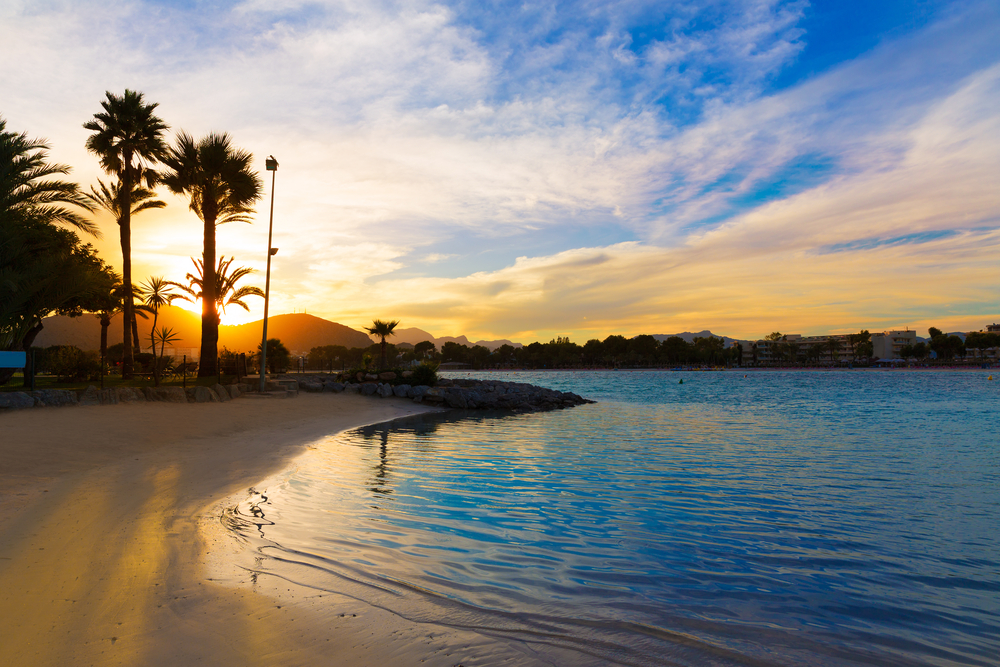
x=226, y=291
x=26, y=188
x=156, y=293
x=222, y=187
x=383, y=330
x=128, y=139
x=163, y=335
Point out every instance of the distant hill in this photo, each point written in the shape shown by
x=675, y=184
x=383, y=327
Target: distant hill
x=298, y=331
x=689, y=337
x=413, y=336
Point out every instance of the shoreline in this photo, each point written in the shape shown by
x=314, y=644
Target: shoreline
x=104, y=549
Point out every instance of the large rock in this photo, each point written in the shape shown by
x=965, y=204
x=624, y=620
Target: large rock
x=352, y=388
x=401, y=390
x=456, y=398
x=130, y=395
x=313, y=386
x=165, y=394
x=335, y=387
x=221, y=393
x=385, y=390
x=234, y=390
x=201, y=395
x=369, y=389
x=90, y=396
x=387, y=376
x=15, y=400
x=54, y=397
x=417, y=391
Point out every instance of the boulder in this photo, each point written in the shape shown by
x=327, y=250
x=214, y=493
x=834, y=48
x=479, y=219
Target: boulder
x=201, y=395
x=54, y=397
x=335, y=387
x=369, y=389
x=234, y=391
x=407, y=374
x=385, y=390
x=15, y=400
x=130, y=395
x=456, y=398
x=90, y=396
x=371, y=377
x=311, y=385
x=221, y=393
x=352, y=388
x=386, y=376
x=434, y=395
x=165, y=394
x=416, y=391
x=401, y=390
x=360, y=376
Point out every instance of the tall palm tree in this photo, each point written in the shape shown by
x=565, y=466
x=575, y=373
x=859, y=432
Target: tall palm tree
x=226, y=291
x=383, y=330
x=128, y=139
x=156, y=293
x=222, y=187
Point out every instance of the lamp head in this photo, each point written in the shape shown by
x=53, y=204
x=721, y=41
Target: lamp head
x=271, y=163
x=274, y=251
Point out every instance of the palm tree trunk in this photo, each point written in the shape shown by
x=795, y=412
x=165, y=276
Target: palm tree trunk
x=152, y=344
x=125, y=230
x=209, y=310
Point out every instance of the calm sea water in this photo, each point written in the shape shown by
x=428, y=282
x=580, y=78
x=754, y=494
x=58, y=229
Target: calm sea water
x=801, y=518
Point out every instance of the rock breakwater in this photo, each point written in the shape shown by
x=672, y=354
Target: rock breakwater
x=459, y=394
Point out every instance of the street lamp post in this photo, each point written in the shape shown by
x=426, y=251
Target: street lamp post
x=272, y=166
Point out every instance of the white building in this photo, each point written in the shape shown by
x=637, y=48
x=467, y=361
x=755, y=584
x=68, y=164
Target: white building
x=886, y=345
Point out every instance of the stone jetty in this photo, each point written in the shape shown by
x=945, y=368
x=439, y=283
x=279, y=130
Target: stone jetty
x=459, y=394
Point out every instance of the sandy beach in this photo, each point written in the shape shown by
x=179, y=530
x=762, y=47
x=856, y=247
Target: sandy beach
x=105, y=531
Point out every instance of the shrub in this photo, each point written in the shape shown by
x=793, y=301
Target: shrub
x=425, y=373
x=71, y=364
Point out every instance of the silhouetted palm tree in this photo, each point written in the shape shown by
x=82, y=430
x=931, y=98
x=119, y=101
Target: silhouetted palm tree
x=222, y=188
x=128, y=139
x=26, y=187
x=156, y=293
x=383, y=330
x=226, y=291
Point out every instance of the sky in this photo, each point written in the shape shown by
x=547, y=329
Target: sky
x=538, y=169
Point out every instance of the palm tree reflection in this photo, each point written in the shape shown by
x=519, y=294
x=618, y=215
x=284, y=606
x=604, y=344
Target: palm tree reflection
x=380, y=484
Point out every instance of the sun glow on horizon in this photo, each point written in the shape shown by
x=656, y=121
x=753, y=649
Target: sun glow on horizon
x=232, y=316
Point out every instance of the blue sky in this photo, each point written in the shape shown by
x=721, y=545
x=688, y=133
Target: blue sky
x=526, y=170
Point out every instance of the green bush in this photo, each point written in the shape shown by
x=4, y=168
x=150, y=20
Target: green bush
x=71, y=364
x=425, y=373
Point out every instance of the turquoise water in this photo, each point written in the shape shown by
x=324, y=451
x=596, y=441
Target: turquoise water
x=801, y=518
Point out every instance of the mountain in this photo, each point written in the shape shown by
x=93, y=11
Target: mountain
x=298, y=331
x=689, y=337
x=413, y=336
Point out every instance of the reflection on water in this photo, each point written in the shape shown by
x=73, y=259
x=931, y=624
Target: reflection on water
x=778, y=519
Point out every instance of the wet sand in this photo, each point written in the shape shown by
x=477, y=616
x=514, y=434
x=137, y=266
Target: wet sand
x=105, y=516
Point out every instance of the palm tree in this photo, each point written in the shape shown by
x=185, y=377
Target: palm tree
x=218, y=179
x=23, y=191
x=226, y=292
x=110, y=199
x=156, y=293
x=128, y=139
x=383, y=330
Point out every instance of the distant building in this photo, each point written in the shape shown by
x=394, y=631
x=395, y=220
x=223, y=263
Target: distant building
x=993, y=328
x=886, y=345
